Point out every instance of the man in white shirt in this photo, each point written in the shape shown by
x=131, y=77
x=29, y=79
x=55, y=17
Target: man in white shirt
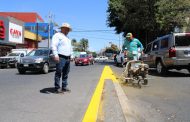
x=61, y=46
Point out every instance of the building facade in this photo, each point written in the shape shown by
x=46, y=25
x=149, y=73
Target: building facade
x=34, y=23
x=12, y=33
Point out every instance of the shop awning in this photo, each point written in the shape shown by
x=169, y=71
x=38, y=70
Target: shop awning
x=32, y=36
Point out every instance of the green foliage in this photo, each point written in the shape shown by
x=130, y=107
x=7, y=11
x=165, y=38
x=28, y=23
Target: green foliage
x=147, y=19
x=172, y=13
x=73, y=42
x=84, y=44
x=80, y=46
x=112, y=49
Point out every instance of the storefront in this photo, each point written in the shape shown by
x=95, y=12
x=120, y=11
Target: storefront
x=13, y=35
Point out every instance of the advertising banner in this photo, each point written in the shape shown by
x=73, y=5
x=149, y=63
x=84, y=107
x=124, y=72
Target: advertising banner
x=15, y=33
x=2, y=30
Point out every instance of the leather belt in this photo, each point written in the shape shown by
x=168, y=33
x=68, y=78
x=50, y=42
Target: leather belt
x=63, y=56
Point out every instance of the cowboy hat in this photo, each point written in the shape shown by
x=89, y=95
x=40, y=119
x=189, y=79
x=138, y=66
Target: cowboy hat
x=66, y=25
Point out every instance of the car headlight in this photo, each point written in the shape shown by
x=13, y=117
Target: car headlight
x=38, y=60
x=85, y=60
x=12, y=59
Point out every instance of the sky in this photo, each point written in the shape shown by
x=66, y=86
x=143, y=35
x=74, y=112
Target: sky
x=84, y=16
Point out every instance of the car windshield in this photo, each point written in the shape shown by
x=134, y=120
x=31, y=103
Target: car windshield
x=38, y=53
x=13, y=54
x=83, y=56
x=182, y=40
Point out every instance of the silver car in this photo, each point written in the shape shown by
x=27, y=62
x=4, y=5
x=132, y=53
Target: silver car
x=169, y=52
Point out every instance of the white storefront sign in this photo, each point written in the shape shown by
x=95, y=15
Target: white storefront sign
x=15, y=33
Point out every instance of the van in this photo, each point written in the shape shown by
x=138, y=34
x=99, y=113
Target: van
x=171, y=51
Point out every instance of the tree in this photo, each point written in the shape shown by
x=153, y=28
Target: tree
x=147, y=19
x=172, y=13
x=73, y=42
x=112, y=49
x=84, y=44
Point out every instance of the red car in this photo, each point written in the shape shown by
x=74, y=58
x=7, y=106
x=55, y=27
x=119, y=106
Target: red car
x=84, y=59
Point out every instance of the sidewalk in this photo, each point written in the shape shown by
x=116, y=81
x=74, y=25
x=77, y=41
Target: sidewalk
x=114, y=106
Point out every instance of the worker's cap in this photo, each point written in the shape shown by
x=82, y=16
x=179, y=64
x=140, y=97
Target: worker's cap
x=66, y=25
x=129, y=35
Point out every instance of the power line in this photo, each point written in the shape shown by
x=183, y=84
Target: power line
x=95, y=37
x=93, y=31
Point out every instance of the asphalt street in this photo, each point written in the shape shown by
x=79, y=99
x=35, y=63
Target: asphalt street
x=30, y=97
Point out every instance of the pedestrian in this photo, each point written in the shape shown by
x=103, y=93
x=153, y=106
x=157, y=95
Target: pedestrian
x=61, y=47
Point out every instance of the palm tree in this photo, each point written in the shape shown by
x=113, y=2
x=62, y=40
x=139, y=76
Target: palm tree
x=84, y=44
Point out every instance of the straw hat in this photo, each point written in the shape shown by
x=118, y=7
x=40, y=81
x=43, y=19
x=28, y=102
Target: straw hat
x=66, y=25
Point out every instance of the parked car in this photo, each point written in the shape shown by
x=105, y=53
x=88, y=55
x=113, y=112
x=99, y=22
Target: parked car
x=11, y=59
x=101, y=59
x=84, y=59
x=37, y=60
x=171, y=51
x=119, y=59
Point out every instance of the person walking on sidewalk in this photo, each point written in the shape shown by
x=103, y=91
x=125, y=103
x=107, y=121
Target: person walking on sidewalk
x=61, y=47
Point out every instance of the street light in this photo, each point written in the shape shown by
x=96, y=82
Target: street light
x=49, y=35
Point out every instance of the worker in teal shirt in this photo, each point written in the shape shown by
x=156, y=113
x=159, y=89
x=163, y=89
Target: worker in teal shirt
x=132, y=47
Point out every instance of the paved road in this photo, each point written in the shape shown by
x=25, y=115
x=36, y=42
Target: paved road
x=30, y=98
x=165, y=99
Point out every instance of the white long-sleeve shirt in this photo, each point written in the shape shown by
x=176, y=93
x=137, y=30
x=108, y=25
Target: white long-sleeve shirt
x=61, y=45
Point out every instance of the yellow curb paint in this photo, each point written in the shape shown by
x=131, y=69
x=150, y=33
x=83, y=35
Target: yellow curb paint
x=92, y=110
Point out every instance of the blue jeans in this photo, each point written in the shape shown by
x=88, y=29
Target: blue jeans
x=62, y=70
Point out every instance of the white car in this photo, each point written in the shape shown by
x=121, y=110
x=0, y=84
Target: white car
x=119, y=59
x=101, y=58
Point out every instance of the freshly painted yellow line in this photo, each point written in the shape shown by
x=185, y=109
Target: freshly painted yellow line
x=92, y=110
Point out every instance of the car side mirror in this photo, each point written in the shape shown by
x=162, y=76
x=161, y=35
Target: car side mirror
x=51, y=55
x=22, y=55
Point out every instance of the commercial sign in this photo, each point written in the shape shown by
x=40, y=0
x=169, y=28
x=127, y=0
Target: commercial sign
x=15, y=33
x=2, y=30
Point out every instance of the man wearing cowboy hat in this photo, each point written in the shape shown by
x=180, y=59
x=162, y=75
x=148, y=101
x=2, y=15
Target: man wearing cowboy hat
x=61, y=46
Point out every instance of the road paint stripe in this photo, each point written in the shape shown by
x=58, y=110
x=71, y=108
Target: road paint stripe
x=92, y=110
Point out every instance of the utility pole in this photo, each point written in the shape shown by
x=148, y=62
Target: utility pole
x=119, y=42
x=49, y=28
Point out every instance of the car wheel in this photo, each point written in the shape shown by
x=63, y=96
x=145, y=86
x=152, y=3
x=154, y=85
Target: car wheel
x=45, y=69
x=76, y=64
x=188, y=70
x=92, y=62
x=160, y=68
x=15, y=65
x=21, y=71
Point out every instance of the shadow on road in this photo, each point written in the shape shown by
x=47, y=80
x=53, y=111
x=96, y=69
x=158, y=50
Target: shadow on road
x=169, y=74
x=105, y=63
x=35, y=72
x=48, y=90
